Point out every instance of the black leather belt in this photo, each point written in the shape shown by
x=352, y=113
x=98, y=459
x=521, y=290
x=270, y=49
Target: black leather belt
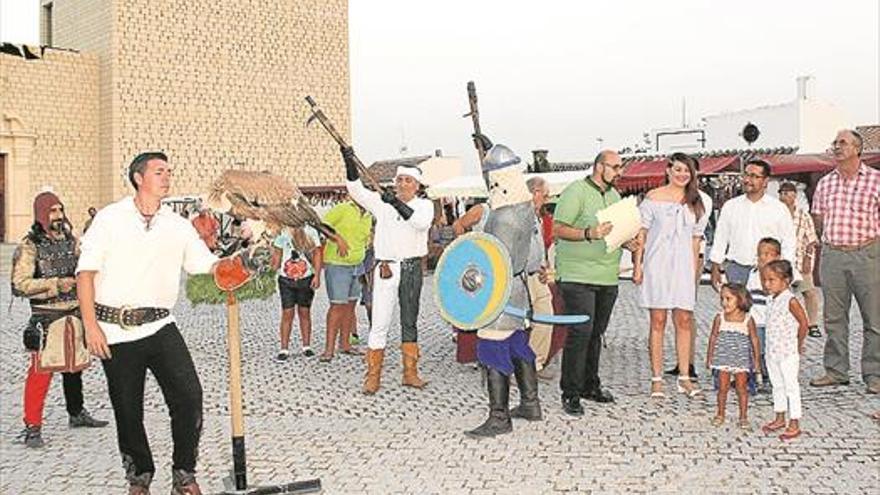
x=127, y=317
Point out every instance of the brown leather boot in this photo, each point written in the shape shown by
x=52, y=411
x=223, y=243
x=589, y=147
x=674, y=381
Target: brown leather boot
x=374, y=359
x=410, y=353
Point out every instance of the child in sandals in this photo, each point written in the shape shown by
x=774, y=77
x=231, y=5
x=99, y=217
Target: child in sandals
x=786, y=329
x=733, y=350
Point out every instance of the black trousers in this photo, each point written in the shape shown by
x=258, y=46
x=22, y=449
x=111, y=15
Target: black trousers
x=73, y=392
x=409, y=292
x=583, y=346
x=166, y=356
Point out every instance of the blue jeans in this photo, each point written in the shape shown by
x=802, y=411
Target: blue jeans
x=736, y=273
x=762, y=337
x=342, y=286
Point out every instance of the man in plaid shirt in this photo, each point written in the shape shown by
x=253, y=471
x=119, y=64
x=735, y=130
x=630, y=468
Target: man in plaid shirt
x=846, y=208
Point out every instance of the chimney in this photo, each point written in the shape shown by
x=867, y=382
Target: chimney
x=539, y=161
x=804, y=87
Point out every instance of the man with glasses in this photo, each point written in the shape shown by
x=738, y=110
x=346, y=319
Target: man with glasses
x=587, y=277
x=846, y=208
x=745, y=220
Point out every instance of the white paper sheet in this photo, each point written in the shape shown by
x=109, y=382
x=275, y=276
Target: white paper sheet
x=625, y=220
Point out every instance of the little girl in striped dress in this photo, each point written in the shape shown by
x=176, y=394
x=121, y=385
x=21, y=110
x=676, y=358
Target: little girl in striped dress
x=733, y=349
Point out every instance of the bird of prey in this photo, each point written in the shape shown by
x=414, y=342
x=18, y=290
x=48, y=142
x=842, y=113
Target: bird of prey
x=269, y=199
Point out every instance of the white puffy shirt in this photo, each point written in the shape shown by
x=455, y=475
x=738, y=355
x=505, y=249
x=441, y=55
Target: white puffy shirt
x=395, y=239
x=140, y=268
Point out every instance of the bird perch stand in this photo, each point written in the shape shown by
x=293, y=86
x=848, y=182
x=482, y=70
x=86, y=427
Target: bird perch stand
x=237, y=483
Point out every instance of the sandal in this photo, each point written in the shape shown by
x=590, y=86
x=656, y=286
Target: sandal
x=657, y=394
x=352, y=351
x=717, y=421
x=789, y=434
x=692, y=392
x=325, y=359
x=745, y=425
x=772, y=426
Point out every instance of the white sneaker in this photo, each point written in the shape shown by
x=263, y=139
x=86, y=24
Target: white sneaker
x=282, y=356
x=307, y=351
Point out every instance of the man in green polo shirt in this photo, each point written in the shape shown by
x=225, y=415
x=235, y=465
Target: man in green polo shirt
x=587, y=277
x=352, y=224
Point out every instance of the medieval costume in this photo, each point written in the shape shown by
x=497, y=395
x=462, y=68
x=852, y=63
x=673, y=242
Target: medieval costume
x=43, y=271
x=503, y=346
x=400, y=241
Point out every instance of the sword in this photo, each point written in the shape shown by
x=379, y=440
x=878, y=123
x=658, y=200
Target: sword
x=545, y=318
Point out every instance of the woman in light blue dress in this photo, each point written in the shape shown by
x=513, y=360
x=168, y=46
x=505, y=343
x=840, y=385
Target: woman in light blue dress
x=665, y=267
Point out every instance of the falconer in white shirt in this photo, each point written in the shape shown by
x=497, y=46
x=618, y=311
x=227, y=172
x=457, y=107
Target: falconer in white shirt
x=128, y=278
x=400, y=241
x=744, y=221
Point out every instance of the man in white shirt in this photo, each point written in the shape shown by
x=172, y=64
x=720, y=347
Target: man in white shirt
x=399, y=242
x=128, y=277
x=744, y=221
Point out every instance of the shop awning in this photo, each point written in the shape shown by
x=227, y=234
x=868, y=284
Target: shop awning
x=647, y=174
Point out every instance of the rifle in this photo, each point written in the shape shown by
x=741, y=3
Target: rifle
x=318, y=114
x=480, y=141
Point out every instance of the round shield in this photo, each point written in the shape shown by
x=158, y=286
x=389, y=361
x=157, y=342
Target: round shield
x=472, y=281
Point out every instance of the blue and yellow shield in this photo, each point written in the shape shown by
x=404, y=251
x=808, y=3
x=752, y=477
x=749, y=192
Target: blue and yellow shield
x=472, y=281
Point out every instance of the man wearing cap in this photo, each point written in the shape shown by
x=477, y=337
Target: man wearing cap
x=400, y=241
x=128, y=278
x=43, y=270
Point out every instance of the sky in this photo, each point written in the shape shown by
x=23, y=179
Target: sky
x=564, y=74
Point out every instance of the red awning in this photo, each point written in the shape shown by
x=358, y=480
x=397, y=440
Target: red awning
x=715, y=164
x=647, y=174
x=799, y=164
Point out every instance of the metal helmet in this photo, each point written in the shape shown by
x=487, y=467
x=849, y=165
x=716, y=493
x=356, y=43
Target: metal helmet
x=499, y=156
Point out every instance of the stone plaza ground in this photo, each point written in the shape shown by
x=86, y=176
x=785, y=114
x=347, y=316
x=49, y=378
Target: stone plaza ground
x=307, y=419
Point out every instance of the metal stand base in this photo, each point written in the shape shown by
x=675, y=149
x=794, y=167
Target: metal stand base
x=307, y=486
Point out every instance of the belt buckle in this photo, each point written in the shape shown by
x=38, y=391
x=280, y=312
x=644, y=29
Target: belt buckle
x=122, y=311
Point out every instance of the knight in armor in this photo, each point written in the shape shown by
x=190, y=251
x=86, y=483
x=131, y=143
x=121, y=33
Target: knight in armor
x=503, y=346
x=400, y=241
x=43, y=271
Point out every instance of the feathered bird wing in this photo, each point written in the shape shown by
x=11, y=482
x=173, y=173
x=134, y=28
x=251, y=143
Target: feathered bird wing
x=262, y=196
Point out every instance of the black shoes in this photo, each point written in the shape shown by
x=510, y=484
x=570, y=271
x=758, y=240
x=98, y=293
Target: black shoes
x=675, y=372
x=599, y=395
x=85, y=420
x=32, y=437
x=527, y=381
x=572, y=406
x=499, y=421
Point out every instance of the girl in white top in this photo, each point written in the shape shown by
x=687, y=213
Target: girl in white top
x=786, y=329
x=733, y=350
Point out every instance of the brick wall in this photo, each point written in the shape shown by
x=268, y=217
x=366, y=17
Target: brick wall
x=54, y=104
x=216, y=84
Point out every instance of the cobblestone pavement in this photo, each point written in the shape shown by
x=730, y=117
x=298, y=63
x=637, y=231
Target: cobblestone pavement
x=307, y=419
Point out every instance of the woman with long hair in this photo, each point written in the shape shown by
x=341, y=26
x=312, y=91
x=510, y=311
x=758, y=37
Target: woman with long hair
x=665, y=266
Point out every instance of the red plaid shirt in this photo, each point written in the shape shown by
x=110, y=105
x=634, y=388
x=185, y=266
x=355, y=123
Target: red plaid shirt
x=850, y=208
